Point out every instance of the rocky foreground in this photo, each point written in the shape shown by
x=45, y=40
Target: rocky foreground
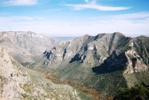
x=20, y=83
x=91, y=67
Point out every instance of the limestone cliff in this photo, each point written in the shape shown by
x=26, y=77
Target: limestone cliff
x=24, y=46
x=20, y=83
x=105, y=62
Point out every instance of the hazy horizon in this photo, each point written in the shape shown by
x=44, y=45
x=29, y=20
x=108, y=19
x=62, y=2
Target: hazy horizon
x=69, y=18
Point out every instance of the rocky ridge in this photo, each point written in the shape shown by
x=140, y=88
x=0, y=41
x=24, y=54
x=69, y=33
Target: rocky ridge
x=94, y=60
x=24, y=46
x=20, y=83
x=80, y=49
x=104, y=63
x=94, y=50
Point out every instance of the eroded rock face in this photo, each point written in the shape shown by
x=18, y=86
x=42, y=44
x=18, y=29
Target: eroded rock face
x=129, y=56
x=14, y=80
x=88, y=50
x=24, y=46
x=20, y=83
x=135, y=63
x=105, y=61
x=95, y=61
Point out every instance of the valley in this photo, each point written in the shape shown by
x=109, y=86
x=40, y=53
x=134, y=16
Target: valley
x=86, y=68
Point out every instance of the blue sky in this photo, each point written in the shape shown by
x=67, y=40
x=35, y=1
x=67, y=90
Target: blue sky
x=75, y=17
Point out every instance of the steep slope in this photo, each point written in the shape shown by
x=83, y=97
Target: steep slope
x=23, y=46
x=20, y=83
x=105, y=62
x=82, y=48
x=14, y=81
x=139, y=92
x=131, y=57
x=125, y=67
x=86, y=52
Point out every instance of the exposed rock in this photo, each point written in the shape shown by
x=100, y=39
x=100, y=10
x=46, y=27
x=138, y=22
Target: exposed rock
x=91, y=50
x=94, y=50
x=103, y=54
x=20, y=83
x=105, y=62
x=24, y=46
x=135, y=63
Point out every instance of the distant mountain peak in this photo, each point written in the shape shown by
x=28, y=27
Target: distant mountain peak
x=26, y=33
x=25, y=44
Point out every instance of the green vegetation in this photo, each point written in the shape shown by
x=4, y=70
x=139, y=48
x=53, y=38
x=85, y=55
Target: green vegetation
x=27, y=88
x=107, y=82
x=136, y=78
x=3, y=80
x=139, y=92
x=15, y=63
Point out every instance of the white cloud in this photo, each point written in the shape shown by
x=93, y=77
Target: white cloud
x=19, y=2
x=16, y=19
x=94, y=5
x=27, y=18
x=103, y=24
x=138, y=15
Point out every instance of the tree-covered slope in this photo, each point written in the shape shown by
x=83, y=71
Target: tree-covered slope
x=104, y=62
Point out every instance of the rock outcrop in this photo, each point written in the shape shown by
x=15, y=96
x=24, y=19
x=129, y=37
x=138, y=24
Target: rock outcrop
x=94, y=50
x=102, y=59
x=104, y=62
x=24, y=46
x=20, y=83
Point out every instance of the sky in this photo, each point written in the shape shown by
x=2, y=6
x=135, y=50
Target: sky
x=60, y=18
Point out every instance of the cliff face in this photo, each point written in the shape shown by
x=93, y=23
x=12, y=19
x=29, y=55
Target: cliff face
x=14, y=81
x=20, y=83
x=104, y=62
x=102, y=59
x=24, y=46
x=90, y=51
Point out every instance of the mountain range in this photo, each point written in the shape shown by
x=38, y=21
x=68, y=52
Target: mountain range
x=18, y=82
x=93, y=67
x=105, y=62
x=21, y=83
x=25, y=46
